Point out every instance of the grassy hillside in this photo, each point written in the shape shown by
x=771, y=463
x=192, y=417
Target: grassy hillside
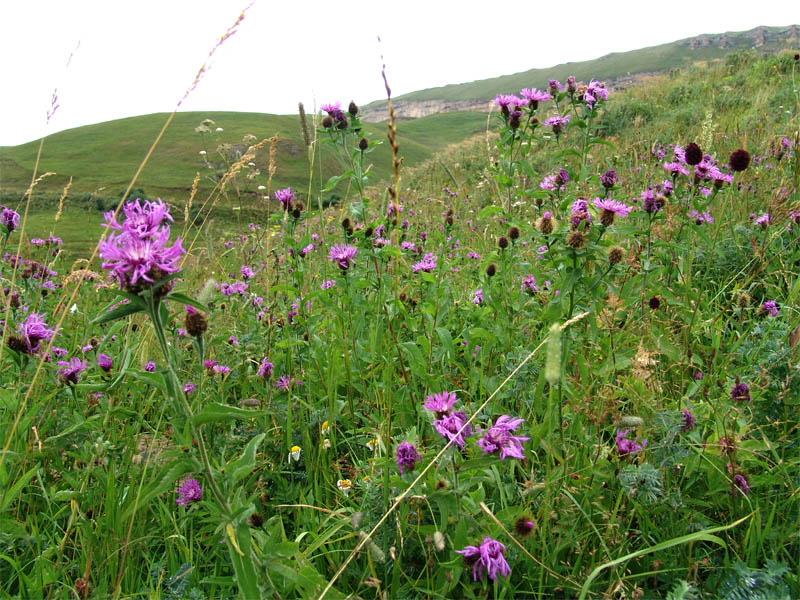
x=609, y=67
x=102, y=158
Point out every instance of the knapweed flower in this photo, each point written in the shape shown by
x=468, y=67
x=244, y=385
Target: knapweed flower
x=689, y=420
x=344, y=485
x=524, y=526
x=763, y=221
x=609, y=179
x=489, y=556
x=529, y=285
x=498, y=438
x=10, y=219
x=594, y=92
x=609, y=209
x=579, y=213
x=652, y=203
x=448, y=423
x=139, y=255
x=739, y=160
x=534, y=96
x=71, y=369
x=33, y=331
x=407, y=457
x=247, y=272
x=740, y=485
x=189, y=491
x=508, y=103
x=265, y=368
x=104, y=362
x=285, y=383
x=427, y=264
x=189, y=388
x=294, y=453
x=740, y=392
x=557, y=123
x=477, y=297
x=553, y=86
x=440, y=404
x=626, y=446
x=343, y=255
x=285, y=197
x=770, y=307
x=150, y=366
x=701, y=217
x=676, y=168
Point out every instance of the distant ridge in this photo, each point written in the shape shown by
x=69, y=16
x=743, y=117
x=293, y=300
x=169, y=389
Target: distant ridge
x=618, y=69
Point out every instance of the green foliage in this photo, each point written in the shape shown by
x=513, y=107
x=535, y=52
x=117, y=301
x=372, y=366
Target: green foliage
x=745, y=583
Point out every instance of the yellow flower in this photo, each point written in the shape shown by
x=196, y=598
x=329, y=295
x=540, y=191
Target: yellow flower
x=294, y=453
x=324, y=427
x=344, y=486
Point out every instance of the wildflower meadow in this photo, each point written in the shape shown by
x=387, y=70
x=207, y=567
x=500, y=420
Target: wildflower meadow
x=561, y=360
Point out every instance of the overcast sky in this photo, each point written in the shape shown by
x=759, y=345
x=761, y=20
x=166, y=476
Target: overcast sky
x=132, y=58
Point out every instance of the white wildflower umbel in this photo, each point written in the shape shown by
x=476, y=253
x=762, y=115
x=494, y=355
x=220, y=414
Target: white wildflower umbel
x=294, y=454
x=344, y=486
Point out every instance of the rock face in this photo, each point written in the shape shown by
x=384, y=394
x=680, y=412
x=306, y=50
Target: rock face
x=760, y=37
x=414, y=109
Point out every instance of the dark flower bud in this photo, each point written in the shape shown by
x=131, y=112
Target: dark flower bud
x=654, y=303
x=17, y=344
x=693, y=154
x=743, y=300
x=607, y=217
x=448, y=221
x=491, y=270
x=514, y=119
x=196, y=324
x=615, y=255
x=797, y=56
x=353, y=108
x=524, y=526
x=368, y=232
x=572, y=85
x=255, y=520
x=346, y=224
x=341, y=123
x=576, y=239
x=327, y=122
x=608, y=179
x=513, y=233
x=296, y=212
x=14, y=300
x=740, y=160
x=502, y=242
x=545, y=224
x=363, y=144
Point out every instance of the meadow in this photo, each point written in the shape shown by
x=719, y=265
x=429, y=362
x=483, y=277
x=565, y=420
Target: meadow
x=556, y=360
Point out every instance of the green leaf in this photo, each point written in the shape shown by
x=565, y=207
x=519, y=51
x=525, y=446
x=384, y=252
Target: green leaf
x=217, y=413
x=8, y=495
x=488, y=211
x=120, y=312
x=184, y=299
x=164, y=483
x=244, y=465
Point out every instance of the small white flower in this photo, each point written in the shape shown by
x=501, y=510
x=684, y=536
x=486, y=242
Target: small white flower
x=326, y=444
x=262, y=187
x=251, y=164
x=73, y=309
x=372, y=444
x=344, y=486
x=203, y=152
x=219, y=129
x=294, y=453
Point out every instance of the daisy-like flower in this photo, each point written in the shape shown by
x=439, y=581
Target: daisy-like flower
x=499, y=438
x=294, y=454
x=676, y=168
x=189, y=491
x=489, y=556
x=609, y=209
x=343, y=255
x=71, y=369
x=427, y=264
x=344, y=485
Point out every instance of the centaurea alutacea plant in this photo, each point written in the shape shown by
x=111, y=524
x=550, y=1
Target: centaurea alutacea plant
x=140, y=258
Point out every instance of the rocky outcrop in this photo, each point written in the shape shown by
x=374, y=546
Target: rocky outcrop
x=414, y=109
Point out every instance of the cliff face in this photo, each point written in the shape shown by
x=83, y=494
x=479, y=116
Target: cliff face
x=761, y=38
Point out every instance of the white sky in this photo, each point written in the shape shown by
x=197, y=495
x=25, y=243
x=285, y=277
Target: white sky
x=132, y=58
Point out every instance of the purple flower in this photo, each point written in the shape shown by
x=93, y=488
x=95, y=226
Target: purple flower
x=440, y=404
x=233, y=341
x=343, y=255
x=534, y=96
x=286, y=197
x=489, y=555
x=247, y=272
x=427, y=264
x=285, y=383
x=596, y=91
x=554, y=86
x=265, y=368
x=626, y=446
x=327, y=284
x=763, y=220
x=188, y=492
x=700, y=218
x=139, y=252
x=579, y=213
x=770, y=307
x=33, y=331
x=740, y=392
x=220, y=369
x=477, y=296
x=529, y=284
x=557, y=123
x=450, y=427
x=689, y=420
x=676, y=168
x=609, y=179
x=609, y=209
x=71, y=369
x=652, y=204
x=150, y=366
x=10, y=219
x=189, y=388
x=407, y=457
x=498, y=438
x=104, y=362
x=740, y=485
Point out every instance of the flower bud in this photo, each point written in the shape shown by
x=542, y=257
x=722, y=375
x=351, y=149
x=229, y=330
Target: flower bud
x=615, y=255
